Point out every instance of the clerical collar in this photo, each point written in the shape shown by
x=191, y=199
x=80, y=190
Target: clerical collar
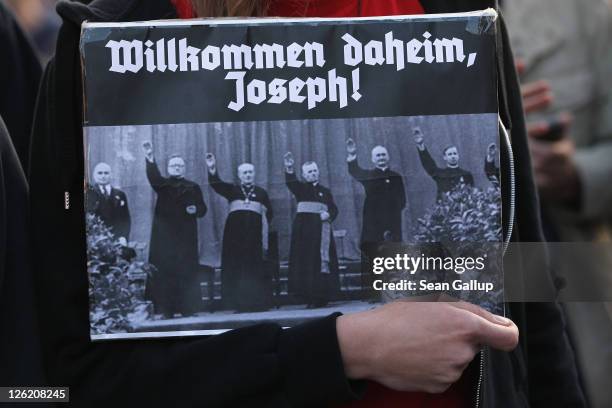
x=456, y=166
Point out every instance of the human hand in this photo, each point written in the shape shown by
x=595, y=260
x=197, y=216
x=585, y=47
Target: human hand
x=211, y=161
x=537, y=96
x=147, y=147
x=324, y=216
x=351, y=147
x=491, y=152
x=556, y=174
x=419, y=346
x=417, y=134
x=418, y=137
x=288, y=160
x=191, y=209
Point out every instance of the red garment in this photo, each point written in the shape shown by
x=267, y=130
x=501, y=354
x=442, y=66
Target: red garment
x=184, y=8
x=343, y=8
x=462, y=393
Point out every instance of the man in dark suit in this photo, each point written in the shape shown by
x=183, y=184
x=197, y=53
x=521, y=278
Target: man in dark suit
x=448, y=177
x=385, y=196
x=313, y=263
x=109, y=203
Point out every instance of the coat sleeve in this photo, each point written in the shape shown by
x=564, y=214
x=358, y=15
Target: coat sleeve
x=154, y=176
x=333, y=208
x=401, y=192
x=357, y=172
x=491, y=170
x=219, y=186
x=258, y=363
x=266, y=202
x=428, y=162
x=293, y=184
x=201, y=208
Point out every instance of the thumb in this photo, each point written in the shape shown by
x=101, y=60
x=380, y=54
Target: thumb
x=491, y=330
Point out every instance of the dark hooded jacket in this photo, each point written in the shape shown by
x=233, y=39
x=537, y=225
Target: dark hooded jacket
x=262, y=365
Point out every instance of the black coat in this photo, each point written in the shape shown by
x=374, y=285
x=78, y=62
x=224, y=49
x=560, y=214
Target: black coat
x=173, y=250
x=384, y=202
x=246, y=282
x=262, y=365
x=305, y=276
x=446, y=178
x=20, y=75
x=112, y=209
x=20, y=354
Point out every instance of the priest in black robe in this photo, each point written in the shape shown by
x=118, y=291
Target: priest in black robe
x=447, y=177
x=246, y=280
x=385, y=196
x=109, y=203
x=175, y=287
x=313, y=263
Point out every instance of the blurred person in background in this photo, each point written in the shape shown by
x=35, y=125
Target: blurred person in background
x=20, y=74
x=40, y=22
x=20, y=353
x=566, y=67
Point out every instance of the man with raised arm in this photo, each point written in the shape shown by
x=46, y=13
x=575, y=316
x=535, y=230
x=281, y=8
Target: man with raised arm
x=385, y=197
x=246, y=281
x=447, y=177
x=174, y=238
x=313, y=263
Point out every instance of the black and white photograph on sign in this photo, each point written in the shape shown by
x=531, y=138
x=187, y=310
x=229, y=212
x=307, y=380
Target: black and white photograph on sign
x=213, y=226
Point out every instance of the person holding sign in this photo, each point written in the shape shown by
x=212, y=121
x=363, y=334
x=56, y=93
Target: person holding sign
x=246, y=284
x=446, y=178
x=174, y=238
x=313, y=263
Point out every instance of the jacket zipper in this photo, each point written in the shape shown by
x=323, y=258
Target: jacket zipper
x=480, y=378
x=512, y=210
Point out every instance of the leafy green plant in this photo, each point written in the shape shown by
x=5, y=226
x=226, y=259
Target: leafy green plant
x=465, y=214
x=116, y=284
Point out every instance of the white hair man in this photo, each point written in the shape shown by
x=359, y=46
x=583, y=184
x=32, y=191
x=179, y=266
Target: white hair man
x=385, y=196
x=109, y=203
